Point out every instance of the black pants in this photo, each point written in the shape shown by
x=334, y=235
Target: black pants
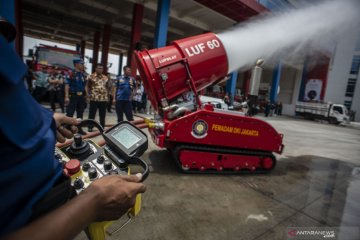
x=56, y=96
x=94, y=106
x=76, y=103
x=133, y=104
x=143, y=101
x=39, y=93
x=109, y=103
x=124, y=106
x=139, y=106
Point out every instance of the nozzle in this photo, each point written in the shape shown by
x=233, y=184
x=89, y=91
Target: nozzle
x=156, y=125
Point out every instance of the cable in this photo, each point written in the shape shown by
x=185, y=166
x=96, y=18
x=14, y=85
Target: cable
x=90, y=123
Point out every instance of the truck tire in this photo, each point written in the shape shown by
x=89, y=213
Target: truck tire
x=334, y=121
x=308, y=116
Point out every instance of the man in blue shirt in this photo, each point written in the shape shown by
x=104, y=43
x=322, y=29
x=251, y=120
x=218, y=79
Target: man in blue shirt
x=122, y=94
x=75, y=90
x=28, y=169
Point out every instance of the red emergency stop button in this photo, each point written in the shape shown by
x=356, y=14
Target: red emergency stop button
x=72, y=166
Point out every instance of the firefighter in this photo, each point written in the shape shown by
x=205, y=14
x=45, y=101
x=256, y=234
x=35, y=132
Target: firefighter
x=122, y=95
x=75, y=90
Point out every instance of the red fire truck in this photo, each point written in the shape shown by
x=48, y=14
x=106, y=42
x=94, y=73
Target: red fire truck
x=50, y=57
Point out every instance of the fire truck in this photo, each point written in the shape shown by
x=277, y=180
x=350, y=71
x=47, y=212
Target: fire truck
x=49, y=57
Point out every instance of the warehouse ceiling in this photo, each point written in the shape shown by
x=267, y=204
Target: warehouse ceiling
x=70, y=21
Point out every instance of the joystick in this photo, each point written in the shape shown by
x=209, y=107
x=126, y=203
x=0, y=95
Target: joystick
x=79, y=148
x=78, y=140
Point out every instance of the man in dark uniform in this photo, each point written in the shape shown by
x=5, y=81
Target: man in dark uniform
x=29, y=170
x=75, y=90
x=122, y=95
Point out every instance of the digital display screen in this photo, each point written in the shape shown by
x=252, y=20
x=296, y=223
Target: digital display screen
x=126, y=137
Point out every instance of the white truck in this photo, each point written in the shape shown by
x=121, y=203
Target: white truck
x=333, y=113
x=216, y=102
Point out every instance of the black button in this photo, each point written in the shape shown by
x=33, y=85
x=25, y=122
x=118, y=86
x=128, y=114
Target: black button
x=92, y=173
x=107, y=165
x=78, y=184
x=100, y=159
x=86, y=166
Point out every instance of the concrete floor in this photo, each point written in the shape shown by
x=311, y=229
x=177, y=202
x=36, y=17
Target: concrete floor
x=315, y=183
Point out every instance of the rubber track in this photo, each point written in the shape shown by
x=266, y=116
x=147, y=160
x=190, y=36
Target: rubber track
x=222, y=151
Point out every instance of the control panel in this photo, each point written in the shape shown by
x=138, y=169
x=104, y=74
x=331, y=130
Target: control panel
x=84, y=162
x=90, y=168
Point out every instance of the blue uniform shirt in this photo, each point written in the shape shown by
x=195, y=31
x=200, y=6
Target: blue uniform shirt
x=76, y=82
x=124, y=85
x=28, y=168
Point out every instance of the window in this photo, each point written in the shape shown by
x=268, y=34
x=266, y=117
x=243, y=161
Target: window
x=357, y=47
x=338, y=109
x=350, y=88
x=355, y=65
x=348, y=104
x=53, y=57
x=352, y=81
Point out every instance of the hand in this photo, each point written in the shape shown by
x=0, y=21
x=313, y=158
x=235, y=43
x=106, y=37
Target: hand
x=114, y=195
x=87, y=99
x=61, y=131
x=67, y=100
x=113, y=101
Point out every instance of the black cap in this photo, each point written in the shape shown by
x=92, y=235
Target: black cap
x=7, y=29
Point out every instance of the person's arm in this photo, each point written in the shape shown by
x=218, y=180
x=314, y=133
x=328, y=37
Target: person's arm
x=114, y=92
x=110, y=90
x=132, y=89
x=109, y=86
x=36, y=75
x=105, y=199
x=60, y=80
x=51, y=80
x=67, y=89
x=88, y=89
